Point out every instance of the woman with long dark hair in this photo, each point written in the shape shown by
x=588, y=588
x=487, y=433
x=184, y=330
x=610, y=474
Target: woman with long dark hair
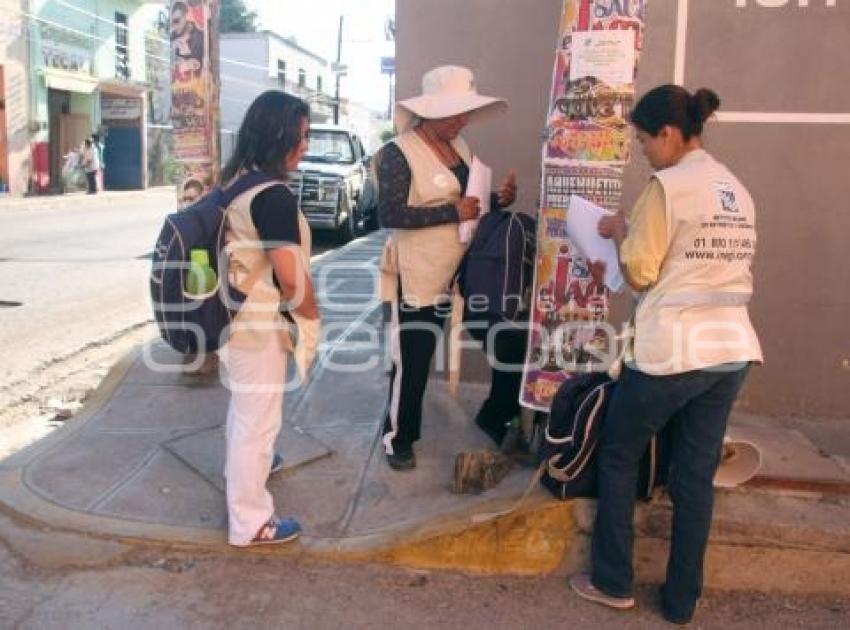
x=268, y=249
x=687, y=248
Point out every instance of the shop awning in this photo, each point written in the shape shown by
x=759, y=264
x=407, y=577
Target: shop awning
x=69, y=81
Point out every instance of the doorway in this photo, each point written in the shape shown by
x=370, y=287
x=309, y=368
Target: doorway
x=58, y=103
x=67, y=133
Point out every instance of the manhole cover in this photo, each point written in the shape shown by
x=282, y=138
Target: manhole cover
x=10, y=304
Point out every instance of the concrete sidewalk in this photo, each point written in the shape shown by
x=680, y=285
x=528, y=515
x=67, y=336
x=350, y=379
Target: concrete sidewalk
x=80, y=199
x=144, y=461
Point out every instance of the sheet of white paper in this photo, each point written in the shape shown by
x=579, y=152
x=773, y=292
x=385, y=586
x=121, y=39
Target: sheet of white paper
x=582, y=226
x=479, y=185
x=606, y=55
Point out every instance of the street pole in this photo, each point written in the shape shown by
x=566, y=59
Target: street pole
x=195, y=96
x=338, y=61
x=215, y=89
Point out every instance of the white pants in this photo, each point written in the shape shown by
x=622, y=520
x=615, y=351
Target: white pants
x=256, y=379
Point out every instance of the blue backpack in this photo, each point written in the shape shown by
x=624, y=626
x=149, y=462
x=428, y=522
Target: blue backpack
x=187, y=323
x=498, y=267
x=571, y=439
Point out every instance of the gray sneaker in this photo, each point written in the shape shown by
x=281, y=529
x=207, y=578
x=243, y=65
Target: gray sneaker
x=582, y=585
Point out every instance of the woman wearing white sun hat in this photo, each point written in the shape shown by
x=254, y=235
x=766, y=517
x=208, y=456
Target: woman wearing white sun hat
x=422, y=176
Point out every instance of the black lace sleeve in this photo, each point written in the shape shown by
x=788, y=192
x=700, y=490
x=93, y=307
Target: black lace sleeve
x=393, y=191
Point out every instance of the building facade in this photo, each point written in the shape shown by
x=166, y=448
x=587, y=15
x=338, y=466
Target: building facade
x=784, y=129
x=87, y=74
x=15, y=164
x=254, y=62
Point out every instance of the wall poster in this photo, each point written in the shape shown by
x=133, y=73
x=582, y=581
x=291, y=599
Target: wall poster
x=194, y=94
x=587, y=144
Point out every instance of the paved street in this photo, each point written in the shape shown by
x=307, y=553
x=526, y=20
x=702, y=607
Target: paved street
x=78, y=266
x=73, y=277
x=54, y=580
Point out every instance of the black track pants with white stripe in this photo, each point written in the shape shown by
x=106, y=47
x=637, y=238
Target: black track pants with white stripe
x=414, y=334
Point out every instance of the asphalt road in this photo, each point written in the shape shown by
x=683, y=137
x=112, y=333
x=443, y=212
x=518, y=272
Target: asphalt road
x=79, y=270
x=74, y=272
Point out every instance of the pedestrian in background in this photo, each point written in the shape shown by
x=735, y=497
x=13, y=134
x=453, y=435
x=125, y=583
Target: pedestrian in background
x=423, y=173
x=91, y=165
x=268, y=248
x=98, y=145
x=688, y=246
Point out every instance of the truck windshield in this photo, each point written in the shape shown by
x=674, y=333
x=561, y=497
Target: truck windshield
x=329, y=146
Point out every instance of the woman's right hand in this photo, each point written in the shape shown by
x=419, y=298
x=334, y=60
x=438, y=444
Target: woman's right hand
x=597, y=271
x=468, y=208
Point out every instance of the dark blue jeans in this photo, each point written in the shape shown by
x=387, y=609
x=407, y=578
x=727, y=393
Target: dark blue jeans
x=697, y=404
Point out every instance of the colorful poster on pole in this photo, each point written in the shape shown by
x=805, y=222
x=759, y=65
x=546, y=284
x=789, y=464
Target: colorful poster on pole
x=587, y=144
x=601, y=185
x=193, y=95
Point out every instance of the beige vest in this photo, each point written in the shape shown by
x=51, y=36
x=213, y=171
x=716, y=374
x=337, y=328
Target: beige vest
x=424, y=259
x=695, y=316
x=259, y=318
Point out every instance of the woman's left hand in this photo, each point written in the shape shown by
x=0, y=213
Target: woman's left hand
x=507, y=193
x=613, y=226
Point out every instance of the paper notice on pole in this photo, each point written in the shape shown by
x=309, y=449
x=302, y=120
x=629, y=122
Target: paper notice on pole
x=582, y=226
x=479, y=185
x=608, y=56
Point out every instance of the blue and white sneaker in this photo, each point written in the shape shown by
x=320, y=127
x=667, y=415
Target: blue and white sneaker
x=277, y=464
x=277, y=530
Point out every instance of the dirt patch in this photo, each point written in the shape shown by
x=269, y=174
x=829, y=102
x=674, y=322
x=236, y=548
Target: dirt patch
x=49, y=396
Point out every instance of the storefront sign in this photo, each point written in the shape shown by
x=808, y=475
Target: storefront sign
x=11, y=28
x=16, y=103
x=65, y=50
x=121, y=109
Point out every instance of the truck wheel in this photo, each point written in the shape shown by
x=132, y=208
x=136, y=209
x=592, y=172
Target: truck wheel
x=348, y=228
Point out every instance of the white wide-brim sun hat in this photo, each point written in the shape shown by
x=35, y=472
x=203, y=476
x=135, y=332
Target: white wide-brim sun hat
x=741, y=462
x=446, y=91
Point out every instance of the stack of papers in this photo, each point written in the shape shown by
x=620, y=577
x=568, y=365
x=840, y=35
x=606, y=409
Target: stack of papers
x=582, y=226
x=480, y=185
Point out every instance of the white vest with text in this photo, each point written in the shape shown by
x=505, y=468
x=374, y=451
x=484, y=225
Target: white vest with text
x=695, y=316
x=259, y=316
x=425, y=259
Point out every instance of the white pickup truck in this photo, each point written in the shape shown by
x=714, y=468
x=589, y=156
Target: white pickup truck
x=332, y=183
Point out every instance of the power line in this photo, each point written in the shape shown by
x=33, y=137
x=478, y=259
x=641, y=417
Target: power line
x=151, y=36
x=78, y=32
x=244, y=64
x=147, y=54
x=228, y=77
x=82, y=11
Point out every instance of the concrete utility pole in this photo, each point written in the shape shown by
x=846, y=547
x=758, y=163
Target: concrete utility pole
x=195, y=85
x=338, y=62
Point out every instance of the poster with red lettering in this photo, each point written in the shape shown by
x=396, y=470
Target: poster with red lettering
x=586, y=147
x=193, y=105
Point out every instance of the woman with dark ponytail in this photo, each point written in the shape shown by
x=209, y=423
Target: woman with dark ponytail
x=687, y=249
